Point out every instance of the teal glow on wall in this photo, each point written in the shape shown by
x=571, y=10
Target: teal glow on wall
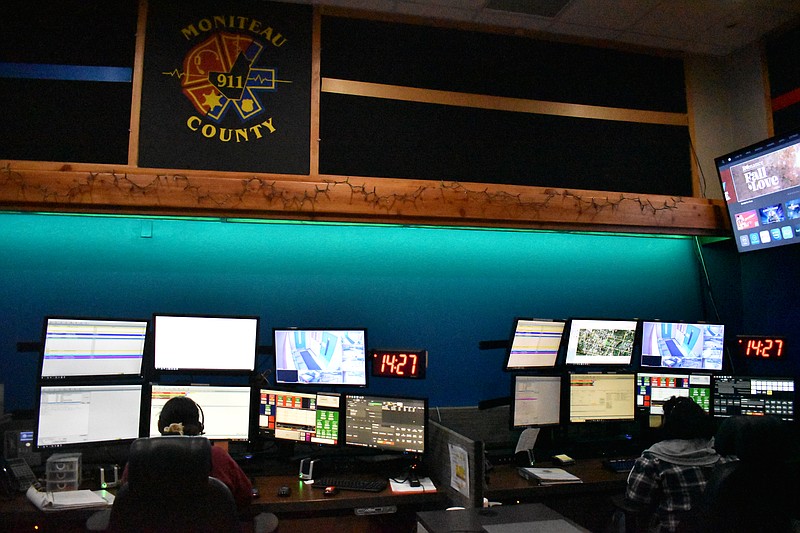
x=443, y=289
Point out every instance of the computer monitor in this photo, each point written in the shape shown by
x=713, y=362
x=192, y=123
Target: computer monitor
x=751, y=395
x=205, y=343
x=307, y=417
x=597, y=397
x=682, y=345
x=90, y=347
x=600, y=342
x=761, y=185
x=653, y=389
x=82, y=415
x=321, y=356
x=534, y=343
x=536, y=401
x=386, y=423
x=224, y=409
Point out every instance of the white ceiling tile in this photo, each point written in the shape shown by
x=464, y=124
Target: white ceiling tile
x=606, y=13
x=579, y=30
x=512, y=20
x=459, y=4
x=435, y=12
x=694, y=26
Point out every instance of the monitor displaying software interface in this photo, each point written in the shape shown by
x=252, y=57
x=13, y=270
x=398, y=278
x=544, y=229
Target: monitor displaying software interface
x=757, y=396
x=599, y=397
x=680, y=345
x=536, y=401
x=534, y=344
x=205, y=343
x=321, y=356
x=82, y=347
x=87, y=414
x=654, y=389
x=307, y=417
x=600, y=342
x=225, y=409
x=384, y=423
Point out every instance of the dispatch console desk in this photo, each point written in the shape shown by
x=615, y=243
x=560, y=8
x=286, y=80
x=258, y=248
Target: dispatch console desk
x=502, y=519
x=588, y=504
x=306, y=508
x=308, y=505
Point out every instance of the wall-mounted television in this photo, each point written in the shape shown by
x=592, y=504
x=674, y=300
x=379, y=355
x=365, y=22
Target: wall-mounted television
x=761, y=185
x=534, y=343
x=603, y=342
x=190, y=344
x=327, y=356
x=682, y=345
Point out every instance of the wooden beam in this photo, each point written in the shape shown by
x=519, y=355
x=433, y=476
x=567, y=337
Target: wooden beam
x=41, y=186
x=500, y=103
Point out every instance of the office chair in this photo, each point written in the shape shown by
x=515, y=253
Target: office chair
x=169, y=490
x=758, y=492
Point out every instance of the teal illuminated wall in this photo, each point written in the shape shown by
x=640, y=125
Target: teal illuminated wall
x=440, y=289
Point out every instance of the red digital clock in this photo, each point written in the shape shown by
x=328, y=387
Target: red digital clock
x=761, y=346
x=399, y=363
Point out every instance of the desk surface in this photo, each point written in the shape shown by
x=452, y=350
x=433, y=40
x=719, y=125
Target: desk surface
x=504, y=482
x=304, y=497
x=510, y=518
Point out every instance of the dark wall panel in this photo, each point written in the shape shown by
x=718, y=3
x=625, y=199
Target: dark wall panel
x=499, y=65
x=373, y=137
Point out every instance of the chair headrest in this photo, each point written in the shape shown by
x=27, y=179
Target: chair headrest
x=170, y=461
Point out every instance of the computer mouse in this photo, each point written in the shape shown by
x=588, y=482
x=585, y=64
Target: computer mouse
x=254, y=492
x=284, y=491
x=330, y=491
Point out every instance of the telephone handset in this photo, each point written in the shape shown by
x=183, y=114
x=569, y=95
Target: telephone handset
x=16, y=475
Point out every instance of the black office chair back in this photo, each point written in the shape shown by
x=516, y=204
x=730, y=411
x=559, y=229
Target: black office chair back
x=169, y=489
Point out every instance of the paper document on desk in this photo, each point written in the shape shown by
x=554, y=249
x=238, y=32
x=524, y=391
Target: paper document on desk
x=70, y=499
x=425, y=485
x=549, y=476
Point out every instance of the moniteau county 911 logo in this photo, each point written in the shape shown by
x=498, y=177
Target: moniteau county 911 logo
x=227, y=73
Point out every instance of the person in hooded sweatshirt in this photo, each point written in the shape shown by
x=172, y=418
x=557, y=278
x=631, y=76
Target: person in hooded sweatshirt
x=670, y=476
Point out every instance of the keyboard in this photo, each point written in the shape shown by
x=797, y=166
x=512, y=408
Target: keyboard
x=348, y=483
x=619, y=465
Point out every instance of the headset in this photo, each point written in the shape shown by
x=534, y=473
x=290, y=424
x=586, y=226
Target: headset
x=190, y=427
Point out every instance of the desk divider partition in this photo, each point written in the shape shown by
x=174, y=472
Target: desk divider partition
x=440, y=463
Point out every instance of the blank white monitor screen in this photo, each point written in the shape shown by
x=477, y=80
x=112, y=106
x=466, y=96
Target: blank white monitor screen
x=82, y=347
x=187, y=343
x=536, y=401
x=535, y=343
x=225, y=409
x=600, y=342
x=598, y=397
x=86, y=414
